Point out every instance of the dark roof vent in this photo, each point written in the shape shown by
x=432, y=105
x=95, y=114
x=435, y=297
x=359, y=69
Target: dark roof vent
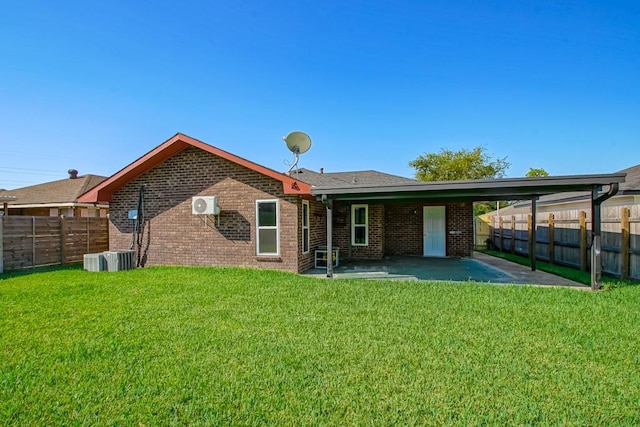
x=73, y=174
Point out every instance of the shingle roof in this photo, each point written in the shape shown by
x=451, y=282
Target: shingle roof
x=353, y=178
x=630, y=186
x=61, y=191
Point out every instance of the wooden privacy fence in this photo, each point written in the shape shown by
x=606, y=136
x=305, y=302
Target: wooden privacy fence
x=32, y=241
x=564, y=238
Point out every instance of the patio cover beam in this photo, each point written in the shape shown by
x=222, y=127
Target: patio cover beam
x=474, y=190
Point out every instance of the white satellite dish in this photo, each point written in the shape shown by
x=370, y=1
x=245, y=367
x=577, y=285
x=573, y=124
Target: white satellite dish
x=298, y=143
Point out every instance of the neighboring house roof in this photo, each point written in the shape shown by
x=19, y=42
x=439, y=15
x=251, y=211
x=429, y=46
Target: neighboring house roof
x=353, y=178
x=54, y=193
x=630, y=187
x=172, y=146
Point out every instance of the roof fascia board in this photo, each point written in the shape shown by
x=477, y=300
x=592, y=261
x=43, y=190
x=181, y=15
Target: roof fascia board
x=103, y=191
x=421, y=197
x=510, y=187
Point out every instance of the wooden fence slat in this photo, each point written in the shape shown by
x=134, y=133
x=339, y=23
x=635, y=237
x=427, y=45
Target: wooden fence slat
x=27, y=242
x=552, y=239
x=625, y=243
x=2, y=242
x=583, y=241
x=564, y=238
x=529, y=234
x=513, y=234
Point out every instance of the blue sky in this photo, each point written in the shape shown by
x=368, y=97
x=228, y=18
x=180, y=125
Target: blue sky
x=95, y=85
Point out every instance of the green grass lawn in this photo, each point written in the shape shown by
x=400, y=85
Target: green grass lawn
x=197, y=346
x=570, y=273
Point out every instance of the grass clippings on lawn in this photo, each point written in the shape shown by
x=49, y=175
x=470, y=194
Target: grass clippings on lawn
x=226, y=346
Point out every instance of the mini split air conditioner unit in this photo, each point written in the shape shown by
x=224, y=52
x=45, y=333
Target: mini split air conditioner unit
x=205, y=205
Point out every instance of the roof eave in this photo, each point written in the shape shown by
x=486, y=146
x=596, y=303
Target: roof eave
x=498, y=189
x=102, y=192
x=57, y=205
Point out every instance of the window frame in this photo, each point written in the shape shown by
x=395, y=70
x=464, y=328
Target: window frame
x=306, y=240
x=365, y=225
x=268, y=227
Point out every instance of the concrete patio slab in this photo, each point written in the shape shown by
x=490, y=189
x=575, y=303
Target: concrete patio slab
x=480, y=268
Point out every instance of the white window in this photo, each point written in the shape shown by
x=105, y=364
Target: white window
x=267, y=227
x=88, y=213
x=305, y=226
x=66, y=212
x=359, y=225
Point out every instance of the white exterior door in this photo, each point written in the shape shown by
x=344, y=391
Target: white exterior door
x=434, y=231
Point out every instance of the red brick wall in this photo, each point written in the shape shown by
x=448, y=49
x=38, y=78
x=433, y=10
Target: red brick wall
x=174, y=236
x=403, y=230
x=317, y=233
x=460, y=221
x=342, y=232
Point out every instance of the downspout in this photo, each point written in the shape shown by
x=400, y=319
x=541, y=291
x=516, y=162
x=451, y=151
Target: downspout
x=329, y=205
x=596, y=228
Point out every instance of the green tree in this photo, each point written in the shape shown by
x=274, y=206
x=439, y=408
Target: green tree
x=535, y=172
x=449, y=165
x=481, y=208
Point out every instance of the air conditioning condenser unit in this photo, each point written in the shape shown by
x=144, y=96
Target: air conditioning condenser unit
x=119, y=260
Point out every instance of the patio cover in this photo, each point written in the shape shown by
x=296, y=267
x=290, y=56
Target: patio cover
x=481, y=190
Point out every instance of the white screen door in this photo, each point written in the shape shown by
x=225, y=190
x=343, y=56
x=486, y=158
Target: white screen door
x=434, y=231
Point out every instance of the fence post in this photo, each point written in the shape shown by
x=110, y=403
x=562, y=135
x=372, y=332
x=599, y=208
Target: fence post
x=2, y=243
x=529, y=234
x=552, y=239
x=513, y=234
x=583, y=241
x=625, y=243
x=88, y=240
x=501, y=246
x=63, y=240
x=33, y=241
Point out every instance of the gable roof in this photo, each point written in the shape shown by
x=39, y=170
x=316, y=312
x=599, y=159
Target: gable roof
x=179, y=142
x=353, y=178
x=53, y=193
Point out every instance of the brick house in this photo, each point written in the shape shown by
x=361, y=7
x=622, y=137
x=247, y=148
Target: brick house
x=268, y=219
